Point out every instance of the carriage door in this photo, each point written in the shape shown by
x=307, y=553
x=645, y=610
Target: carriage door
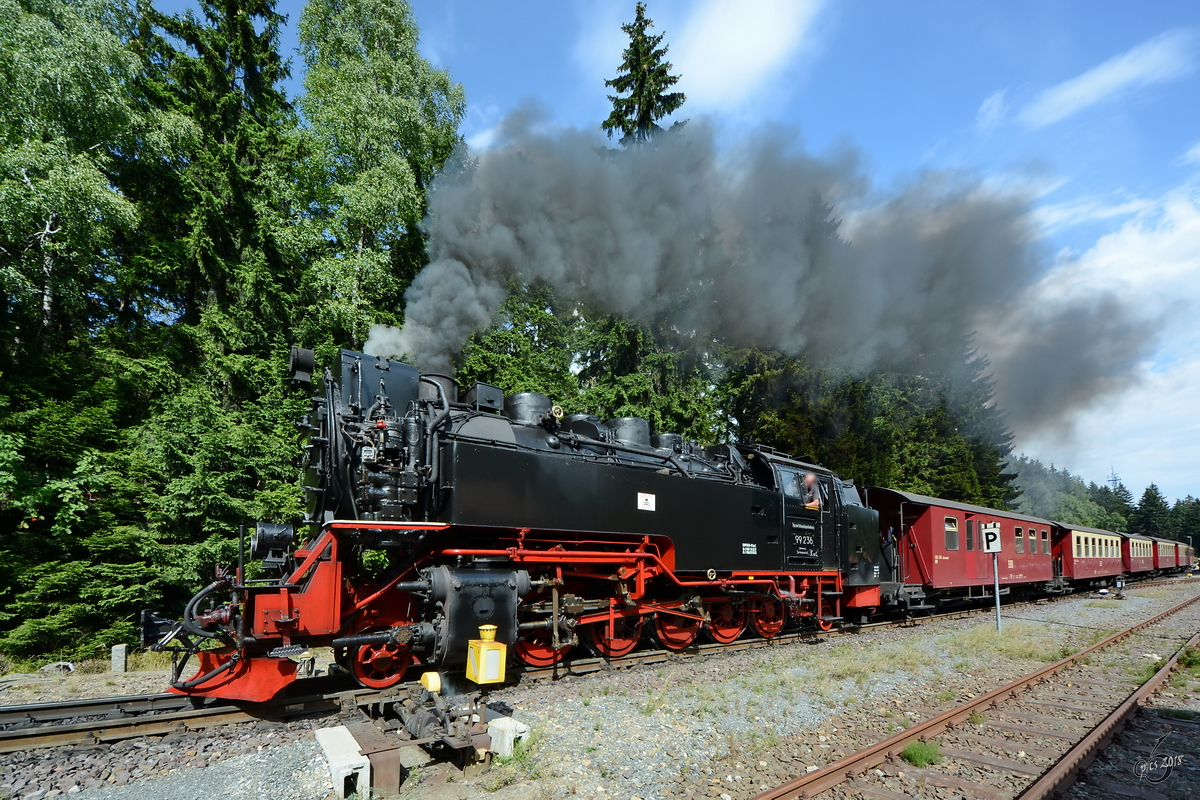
x=801, y=526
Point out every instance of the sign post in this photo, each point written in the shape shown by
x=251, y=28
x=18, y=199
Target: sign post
x=991, y=544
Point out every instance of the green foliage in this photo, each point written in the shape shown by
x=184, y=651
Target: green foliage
x=933, y=434
x=382, y=121
x=1058, y=495
x=1185, y=520
x=594, y=363
x=529, y=348
x=921, y=754
x=641, y=84
x=167, y=228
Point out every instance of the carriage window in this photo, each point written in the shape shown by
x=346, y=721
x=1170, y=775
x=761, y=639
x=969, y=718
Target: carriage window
x=1018, y=541
x=1078, y=545
x=951, y=533
x=970, y=534
x=1032, y=540
x=1045, y=541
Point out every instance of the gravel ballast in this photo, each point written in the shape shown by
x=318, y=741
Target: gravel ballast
x=729, y=724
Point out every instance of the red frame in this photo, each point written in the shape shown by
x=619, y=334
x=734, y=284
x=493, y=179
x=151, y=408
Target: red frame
x=321, y=599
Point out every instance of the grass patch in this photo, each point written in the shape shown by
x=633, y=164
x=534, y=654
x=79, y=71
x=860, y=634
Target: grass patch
x=976, y=718
x=1144, y=672
x=524, y=756
x=1026, y=641
x=148, y=660
x=1102, y=604
x=945, y=695
x=1148, y=592
x=1178, y=713
x=921, y=754
x=1190, y=658
x=832, y=665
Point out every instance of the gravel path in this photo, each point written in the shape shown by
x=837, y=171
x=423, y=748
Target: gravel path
x=730, y=724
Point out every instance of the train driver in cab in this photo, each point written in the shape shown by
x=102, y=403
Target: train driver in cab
x=811, y=493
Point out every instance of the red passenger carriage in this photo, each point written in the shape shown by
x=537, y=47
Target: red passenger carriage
x=1137, y=553
x=1165, y=557
x=1088, y=556
x=934, y=550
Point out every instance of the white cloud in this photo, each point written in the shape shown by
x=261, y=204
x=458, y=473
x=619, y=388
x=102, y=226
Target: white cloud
x=1150, y=433
x=1167, y=56
x=482, y=140
x=729, y=50
x=1192, y=156
x=992, y=111
x=1087, y=209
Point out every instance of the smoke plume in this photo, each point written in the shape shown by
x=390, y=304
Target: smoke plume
x=763, y=245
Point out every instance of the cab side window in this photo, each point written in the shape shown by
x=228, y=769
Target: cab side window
x=951, y=533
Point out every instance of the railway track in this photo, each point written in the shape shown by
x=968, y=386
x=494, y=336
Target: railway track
x=1028, y=739
x=585, y=666
x=107, y=720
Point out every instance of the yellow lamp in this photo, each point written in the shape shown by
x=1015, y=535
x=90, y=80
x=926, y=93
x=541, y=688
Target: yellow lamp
x=486, y=657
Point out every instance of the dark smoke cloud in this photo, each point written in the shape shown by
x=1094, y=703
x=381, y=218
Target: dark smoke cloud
x=761, y=245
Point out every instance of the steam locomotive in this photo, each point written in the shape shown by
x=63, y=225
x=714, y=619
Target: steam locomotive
x=430, y=515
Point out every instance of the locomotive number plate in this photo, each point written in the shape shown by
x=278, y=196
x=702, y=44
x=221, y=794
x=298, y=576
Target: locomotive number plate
x=645, y=501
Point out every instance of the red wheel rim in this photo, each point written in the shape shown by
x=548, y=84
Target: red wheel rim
x=768, y=617
x=627, y=631
x=378, y=666
x=826, y=611
x=726, y=622
x=535, y=650
x=675, y=632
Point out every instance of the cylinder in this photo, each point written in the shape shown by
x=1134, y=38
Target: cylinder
x=667, y=441
x=630, y=430
x=527, y=408
x=430, y=394
x=587, y=425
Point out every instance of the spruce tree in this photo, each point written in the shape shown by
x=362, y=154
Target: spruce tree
x=641, y=83
x=1152, y=516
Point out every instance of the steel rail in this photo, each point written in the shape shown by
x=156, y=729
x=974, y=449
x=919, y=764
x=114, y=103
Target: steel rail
x=191, y=719
x=852, y=766
x=1067, y=769
x=34, y=713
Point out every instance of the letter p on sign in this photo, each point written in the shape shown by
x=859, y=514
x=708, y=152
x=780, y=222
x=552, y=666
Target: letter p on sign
x=991, y=537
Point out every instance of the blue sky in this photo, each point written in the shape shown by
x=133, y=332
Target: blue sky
x=1092, y=106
